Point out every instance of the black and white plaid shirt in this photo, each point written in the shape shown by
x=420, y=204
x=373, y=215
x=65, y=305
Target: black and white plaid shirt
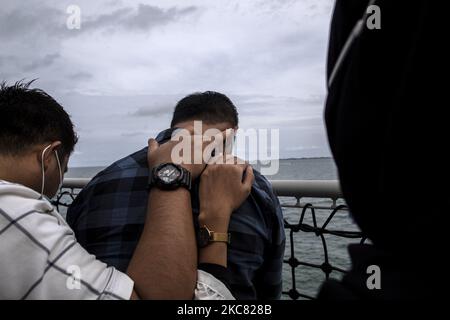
x=40, y=257
x=108, y=217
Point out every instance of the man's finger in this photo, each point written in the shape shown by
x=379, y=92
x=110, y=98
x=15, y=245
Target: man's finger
x=152, y=144
x=249, y=178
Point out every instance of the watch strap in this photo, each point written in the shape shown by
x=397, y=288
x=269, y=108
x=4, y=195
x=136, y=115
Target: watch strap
x=219, y=237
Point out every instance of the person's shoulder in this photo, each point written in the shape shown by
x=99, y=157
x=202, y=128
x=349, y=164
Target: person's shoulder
x=28, y=219
x=133, y=163
x=267, y=199
x=264, y=195
x=262, y=184
x=16, y=200
x=109, y=181
x=260, y=178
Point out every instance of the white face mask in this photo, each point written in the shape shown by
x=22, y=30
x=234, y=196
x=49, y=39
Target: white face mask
x=43, y=171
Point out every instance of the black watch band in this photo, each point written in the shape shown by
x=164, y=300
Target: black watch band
x=169, y=176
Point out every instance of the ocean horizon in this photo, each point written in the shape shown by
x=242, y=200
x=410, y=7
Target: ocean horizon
x=323, y=169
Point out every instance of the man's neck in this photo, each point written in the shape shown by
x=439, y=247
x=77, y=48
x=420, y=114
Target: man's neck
x=14, y=170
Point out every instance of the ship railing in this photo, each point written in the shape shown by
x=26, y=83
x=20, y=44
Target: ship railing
x=318, y=229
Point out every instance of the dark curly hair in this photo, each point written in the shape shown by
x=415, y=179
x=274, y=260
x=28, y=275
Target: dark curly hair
x=30, y=117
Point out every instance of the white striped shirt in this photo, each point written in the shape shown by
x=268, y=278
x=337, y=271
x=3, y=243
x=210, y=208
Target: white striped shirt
x=41, y=259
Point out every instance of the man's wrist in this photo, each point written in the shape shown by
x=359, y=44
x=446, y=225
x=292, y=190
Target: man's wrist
x=216, y=221
x=215, y=252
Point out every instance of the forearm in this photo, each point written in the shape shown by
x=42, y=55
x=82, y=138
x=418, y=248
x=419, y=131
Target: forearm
x=213, y=257
x=217, y=220
x=164, y=265
x=215, y=253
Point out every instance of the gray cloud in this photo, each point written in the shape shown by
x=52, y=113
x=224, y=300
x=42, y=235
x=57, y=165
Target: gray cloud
x=43, y=21
x=143, y=18
x=149, y=16
x=34, y=23
x=43, y=62
x=283, y=110
x=134, y=134
x=80, y=76
x=106, y=20
x=154, y=111
x=4, y=59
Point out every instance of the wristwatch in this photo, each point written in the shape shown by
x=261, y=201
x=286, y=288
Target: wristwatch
x=206, y=236
x=169, y=176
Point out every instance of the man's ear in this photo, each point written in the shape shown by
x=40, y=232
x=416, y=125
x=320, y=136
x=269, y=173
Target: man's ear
x=46, y=153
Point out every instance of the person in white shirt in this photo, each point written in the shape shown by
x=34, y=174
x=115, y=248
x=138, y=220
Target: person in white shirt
x=40, y=256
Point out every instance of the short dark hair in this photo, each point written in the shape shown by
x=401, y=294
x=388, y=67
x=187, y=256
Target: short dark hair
x=31, y=116
x=209, y=106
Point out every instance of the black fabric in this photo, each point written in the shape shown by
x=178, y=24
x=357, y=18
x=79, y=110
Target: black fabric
x=387, y=123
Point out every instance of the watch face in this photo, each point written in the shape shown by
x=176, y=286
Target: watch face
x=202, y=237
x=168, y=173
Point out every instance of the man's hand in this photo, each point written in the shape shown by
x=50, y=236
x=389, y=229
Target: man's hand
x=223, y=188
x=196, y=162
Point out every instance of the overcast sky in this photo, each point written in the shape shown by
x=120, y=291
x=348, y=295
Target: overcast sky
x=120, y=75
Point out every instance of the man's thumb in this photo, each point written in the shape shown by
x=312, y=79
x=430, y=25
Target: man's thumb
x=249, y=178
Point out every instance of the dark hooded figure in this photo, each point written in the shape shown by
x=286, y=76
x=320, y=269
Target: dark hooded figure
x=387, y=124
